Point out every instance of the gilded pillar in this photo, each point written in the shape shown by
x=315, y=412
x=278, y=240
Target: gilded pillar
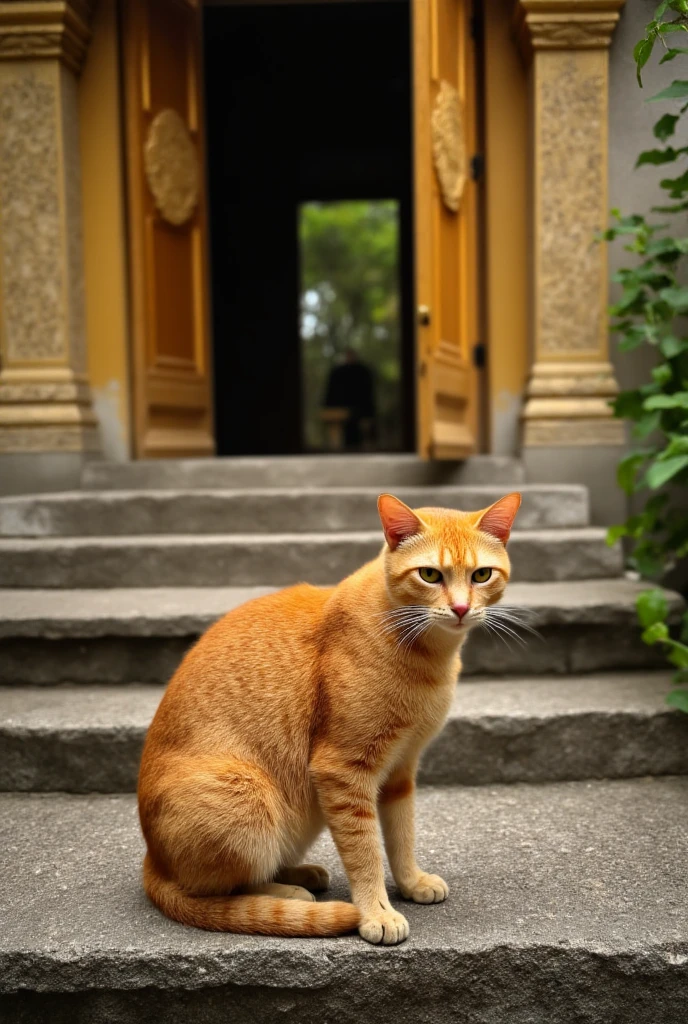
x=572, y=380
x=45, y=402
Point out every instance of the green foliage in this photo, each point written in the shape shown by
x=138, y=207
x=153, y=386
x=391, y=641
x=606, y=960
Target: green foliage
x=651, y=312
x=350, y=299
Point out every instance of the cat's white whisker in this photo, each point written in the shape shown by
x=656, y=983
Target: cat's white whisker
x=500, y=627
x=513, y=616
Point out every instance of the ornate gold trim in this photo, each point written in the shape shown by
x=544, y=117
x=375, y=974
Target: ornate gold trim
x=573, y=432
x=565, y=24
x=41, y=29
x=449, y=145
x=171, y=166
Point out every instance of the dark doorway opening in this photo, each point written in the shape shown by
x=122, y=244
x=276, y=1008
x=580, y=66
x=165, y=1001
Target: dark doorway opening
x=308, y=115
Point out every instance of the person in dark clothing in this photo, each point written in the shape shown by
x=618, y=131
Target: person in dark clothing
x=351, y=386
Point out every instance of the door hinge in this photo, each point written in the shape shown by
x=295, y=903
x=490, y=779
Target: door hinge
x=477, y=166
x=479, y=355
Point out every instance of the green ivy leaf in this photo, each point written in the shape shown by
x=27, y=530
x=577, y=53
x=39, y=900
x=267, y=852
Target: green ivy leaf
x=672, y=53
x=676, y=91
x=648, y=563
x=628, y=405
x=627, y=470
x=679, y=654
x=675, y=208
x=678, y=445
x=661, y=472
x=678, y=699
x=675, y=186
x=671, y=346
x=630, y=298
x=632, y=340
x=679, y=400
x=641, y=55
x=672, y=26
x=677, y=298
x=665, y=127
x=662, y=374
x=646, y=425
x=652, y=607
x=655, y=633
x=615, y=533
x=659, y=156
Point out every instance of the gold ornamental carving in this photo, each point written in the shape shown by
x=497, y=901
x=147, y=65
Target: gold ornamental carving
x=565, y=24
x=172, y=168
x=449, y=145
x=45, y=29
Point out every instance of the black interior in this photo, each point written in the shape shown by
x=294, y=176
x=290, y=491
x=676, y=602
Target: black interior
x=304, y=102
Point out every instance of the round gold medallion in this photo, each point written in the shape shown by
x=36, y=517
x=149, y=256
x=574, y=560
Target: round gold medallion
x=171, y=167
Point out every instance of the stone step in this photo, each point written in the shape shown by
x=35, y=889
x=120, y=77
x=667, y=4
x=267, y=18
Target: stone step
x=140, y=635
x=278, y=559
x=123, y=513
x=567, y=903
x=616, y=725
x=304, y=471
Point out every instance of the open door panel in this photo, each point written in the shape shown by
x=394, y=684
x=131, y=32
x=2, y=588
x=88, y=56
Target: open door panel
x=445, y=228
x=167, y=228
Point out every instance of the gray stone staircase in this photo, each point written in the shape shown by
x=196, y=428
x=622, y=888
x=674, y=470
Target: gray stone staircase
x=554, y=802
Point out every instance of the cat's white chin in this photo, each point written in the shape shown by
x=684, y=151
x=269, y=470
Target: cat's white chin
x=456, y=628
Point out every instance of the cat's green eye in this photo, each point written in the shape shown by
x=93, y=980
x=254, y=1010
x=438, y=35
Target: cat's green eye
x=481, y=575
x=430, y=575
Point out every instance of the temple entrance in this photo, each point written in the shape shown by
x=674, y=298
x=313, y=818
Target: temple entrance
x=338, y=307
x=310, y=159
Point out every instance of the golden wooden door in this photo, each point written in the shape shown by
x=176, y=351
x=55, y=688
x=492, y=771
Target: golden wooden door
x=167, y=228
x=445, y=227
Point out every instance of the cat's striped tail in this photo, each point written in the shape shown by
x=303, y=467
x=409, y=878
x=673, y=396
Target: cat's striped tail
x=248, y=915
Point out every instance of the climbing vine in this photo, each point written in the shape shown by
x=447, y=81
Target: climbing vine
x=651, y=311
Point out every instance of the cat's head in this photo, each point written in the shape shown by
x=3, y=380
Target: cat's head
x=444, y=568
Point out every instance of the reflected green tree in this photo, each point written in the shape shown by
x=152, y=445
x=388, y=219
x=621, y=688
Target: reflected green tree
x=350, y=299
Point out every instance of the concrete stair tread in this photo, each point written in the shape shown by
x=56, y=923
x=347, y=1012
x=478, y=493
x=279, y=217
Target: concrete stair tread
x=567, y=902
x=182, y=611
x=309, y=471
x=93, y=513
x=604, y=725
x=485, y=701
x=578, y=533
x=272, y=559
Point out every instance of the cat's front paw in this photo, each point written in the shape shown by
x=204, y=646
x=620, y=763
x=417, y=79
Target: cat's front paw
x=385, y=928
x=426, y=889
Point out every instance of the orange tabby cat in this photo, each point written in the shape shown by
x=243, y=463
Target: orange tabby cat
x=310, y=707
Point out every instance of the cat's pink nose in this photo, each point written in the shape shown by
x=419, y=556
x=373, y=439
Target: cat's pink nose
x=459, y=610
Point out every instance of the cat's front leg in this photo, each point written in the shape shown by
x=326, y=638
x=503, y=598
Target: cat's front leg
x=348, y=796
x=397, y=815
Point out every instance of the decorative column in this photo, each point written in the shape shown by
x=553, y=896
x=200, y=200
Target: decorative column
x=45, y=402
x=566, y=45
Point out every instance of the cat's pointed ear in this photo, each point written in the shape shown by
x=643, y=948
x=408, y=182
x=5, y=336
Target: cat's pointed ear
x=398, y=520
x=498, y=519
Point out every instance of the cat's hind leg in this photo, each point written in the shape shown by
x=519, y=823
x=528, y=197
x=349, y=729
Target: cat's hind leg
x=281, y=891
x=311, y=876
x=215, y=824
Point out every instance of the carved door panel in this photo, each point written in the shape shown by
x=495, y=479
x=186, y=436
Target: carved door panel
x=445, y=228
x=167, y=228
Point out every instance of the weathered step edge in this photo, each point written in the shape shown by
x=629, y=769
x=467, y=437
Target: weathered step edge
x=564, y=904
x=115, y=636
x=122, y=513
x=82, y=740
x=309, y=471
x=269, y=559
